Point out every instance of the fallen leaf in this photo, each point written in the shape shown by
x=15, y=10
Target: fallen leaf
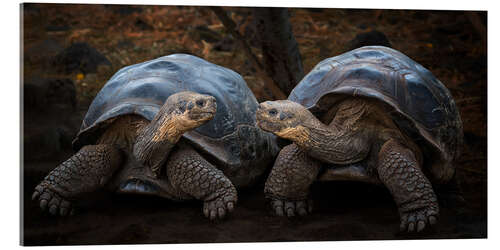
x=207, y=47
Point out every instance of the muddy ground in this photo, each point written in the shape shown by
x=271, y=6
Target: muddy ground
x=71, y=50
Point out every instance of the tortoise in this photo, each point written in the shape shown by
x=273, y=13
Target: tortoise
x=177, y=127
x=372, y=115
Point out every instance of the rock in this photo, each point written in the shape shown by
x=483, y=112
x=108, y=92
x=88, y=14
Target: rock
x=46, y=142
x=49, y=95
x=369, y=38
x=79, y=57
x=50, y=117
x=40, y=52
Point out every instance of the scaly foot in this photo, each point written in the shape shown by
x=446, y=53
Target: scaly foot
x=419, y=214
x=221, y=205
x=51, y=200
x=416, y=221
x=291, y=208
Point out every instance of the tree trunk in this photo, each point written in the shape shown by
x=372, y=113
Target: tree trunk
x=280, y=51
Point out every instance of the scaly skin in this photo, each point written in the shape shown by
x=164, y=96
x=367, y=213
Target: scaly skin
x=181, y=112
x=398, y=170
x=86, y=171
x=331, y=143
x=149, y=142
x=358, y=128
x=288, y=183
x=194, y=177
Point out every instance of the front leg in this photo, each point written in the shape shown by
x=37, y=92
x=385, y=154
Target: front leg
x=398, y=170
x=194, y=177
x=86, y=171
x=288, y=183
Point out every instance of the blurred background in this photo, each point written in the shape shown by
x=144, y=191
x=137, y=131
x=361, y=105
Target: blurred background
x=70, y=51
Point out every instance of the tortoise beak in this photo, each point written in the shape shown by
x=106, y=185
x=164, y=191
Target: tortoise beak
x=207, y=104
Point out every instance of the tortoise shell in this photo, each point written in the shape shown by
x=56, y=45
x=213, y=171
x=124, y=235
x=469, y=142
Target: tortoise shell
x=421, y=105
x=231, y=137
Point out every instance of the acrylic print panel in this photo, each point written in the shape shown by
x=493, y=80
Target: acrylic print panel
x=70, y=51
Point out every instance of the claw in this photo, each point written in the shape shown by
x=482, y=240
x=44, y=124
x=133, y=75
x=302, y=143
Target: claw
x=420, y=226
x=206, y=212
x=213, y=215
x=51, y=201
x=411, y=227
x=301, y=208
x=63, y=211
x=290, y=208
x=302, y=211
x=230, y=206
x=221, y=212
x=53, y=210
x=43, y=204
x=402, y=226
x=309, y=206
x=279, y=211
x=218, y=208
x=35, y=195
x=432, y=220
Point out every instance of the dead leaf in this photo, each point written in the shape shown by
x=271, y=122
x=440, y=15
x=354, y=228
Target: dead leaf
x=207, y=47
x=133, y=34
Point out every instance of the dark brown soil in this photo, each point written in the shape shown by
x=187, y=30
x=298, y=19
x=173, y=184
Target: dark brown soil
x=342, y=211
x=445, y=42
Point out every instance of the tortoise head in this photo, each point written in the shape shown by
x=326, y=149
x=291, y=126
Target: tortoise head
x=285, y=119
x=189, y=110
x=180, y=113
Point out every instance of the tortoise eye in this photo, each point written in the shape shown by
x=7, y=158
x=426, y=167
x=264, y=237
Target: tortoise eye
x=273, y=112
x=200, y=102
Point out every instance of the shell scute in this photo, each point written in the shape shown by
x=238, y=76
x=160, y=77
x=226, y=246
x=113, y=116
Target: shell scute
x=422, y=105
x=142, y=88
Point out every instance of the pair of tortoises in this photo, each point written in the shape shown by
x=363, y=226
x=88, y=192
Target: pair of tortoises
x=183, y=128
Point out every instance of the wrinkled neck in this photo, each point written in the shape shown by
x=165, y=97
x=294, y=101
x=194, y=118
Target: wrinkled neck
x=155, y=141
x=334, y=144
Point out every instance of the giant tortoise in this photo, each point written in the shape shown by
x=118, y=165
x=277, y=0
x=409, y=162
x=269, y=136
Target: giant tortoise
x=371, y=114
x=177, y=126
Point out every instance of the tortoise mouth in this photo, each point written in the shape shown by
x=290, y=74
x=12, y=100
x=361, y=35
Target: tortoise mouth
x=202, y=115
x=265, y=122
x=268, y=126
x=262, y=120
